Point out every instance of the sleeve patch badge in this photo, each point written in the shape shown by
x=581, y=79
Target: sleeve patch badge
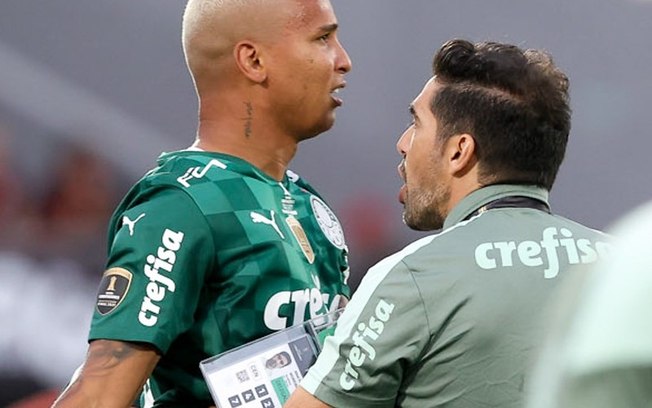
x=113, y=288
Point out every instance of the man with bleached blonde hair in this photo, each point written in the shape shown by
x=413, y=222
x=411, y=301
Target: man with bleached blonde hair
x=221, y=244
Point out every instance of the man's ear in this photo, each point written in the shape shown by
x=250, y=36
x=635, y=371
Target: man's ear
x=461, y=154
x=249, y=61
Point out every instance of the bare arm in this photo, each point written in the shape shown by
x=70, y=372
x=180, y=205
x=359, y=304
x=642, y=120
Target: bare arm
x=301, y=398
x=112, y=375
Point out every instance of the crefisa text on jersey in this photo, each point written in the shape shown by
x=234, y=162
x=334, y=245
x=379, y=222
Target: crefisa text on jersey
x=364, y=338
x=155, y=290
x=501, y=254
x=296, y=304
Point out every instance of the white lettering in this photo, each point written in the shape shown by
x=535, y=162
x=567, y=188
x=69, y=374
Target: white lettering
x=348, y=376
x=300, y=298
x=359, y=340
x=356, y=357
x=482, y=258
x=154, y=276
x=588, y=254
x=571, y=248
x=506, y=250
x=316, y=303
x=159, y=284
x=296, y=305
x=146, y=320
x=553, y=245
x=273, y=319
x=363, y=339
x=172, y=240
x=155, y=292
x=199, y=172
x=550, y=244
x=528, y=252
x=150, y=319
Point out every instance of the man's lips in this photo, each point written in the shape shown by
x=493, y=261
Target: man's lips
x=337, y=100
x=402, y=194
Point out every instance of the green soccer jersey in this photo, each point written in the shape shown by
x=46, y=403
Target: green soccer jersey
x=208, y=253
x=453, y=319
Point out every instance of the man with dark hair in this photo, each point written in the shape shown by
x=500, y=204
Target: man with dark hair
x=453, y=319
x=221, y=244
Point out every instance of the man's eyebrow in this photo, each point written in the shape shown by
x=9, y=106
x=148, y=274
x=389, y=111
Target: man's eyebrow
x=328, y=28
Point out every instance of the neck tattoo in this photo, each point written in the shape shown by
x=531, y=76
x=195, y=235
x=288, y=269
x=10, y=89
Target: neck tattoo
x=248, y=119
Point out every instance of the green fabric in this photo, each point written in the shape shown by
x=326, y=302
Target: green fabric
x=453, y=319
x=233, y=272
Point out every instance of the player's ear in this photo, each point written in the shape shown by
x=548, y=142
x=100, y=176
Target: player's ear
x=461, y=153
x=249, y=60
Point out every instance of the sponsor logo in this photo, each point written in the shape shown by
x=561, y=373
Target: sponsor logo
x=364, y=337
x=328, y=222
x=159, y=285
x=131, y=224
x=113, y=288
x=199, y=172
x=258, y=218
x=287, y=308
x=492, y=255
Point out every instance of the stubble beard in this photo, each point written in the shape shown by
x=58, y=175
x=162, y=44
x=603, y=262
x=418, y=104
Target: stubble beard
x=425, y=209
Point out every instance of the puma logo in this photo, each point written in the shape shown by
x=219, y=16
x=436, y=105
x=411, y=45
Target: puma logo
x=131, y=224
x=259, y=218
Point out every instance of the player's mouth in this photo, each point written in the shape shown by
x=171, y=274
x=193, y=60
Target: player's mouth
x=402, y=193
x=337, y=101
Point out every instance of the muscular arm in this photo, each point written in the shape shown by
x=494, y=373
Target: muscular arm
x=112, y=375
x=303, y=399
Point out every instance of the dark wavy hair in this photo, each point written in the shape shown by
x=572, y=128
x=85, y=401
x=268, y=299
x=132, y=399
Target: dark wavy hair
x=513, y=102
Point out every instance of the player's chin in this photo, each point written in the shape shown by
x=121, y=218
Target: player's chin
x=325, y=122
x=328, y=122
x=318, y=127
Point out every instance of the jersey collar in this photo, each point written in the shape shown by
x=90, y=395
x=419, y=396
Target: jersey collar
x=485, y=195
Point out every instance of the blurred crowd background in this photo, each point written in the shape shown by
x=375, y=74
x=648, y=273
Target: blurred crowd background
x=92, y=92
